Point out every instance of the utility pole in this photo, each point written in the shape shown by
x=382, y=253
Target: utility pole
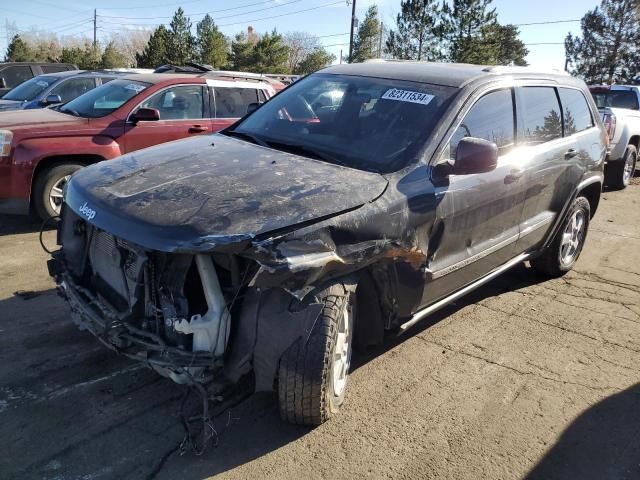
x=353, y=22
x=380, y=40
x=341, y=56
x=95, y=27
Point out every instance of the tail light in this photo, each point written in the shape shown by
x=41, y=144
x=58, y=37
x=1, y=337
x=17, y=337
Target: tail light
x=609, y=120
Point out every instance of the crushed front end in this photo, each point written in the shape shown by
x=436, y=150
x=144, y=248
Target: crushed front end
x=168, y=310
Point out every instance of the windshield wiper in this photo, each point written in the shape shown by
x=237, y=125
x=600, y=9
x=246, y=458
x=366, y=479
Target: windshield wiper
x=305, y=152
x=246, y=136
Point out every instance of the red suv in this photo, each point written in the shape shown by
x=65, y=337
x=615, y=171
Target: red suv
x=40, y=149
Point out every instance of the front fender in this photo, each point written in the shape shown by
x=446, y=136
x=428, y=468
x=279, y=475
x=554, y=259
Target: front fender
x=29, y=153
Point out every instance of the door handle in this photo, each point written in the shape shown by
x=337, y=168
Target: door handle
x=197, y=129
x=572, y=152
x=513, y=176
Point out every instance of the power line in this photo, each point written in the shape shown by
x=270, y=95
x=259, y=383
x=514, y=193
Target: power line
x=206, y=13
x=110, y=22
x=210, y=11
x=546, y=23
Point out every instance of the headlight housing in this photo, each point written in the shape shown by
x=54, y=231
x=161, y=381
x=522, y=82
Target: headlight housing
x=5, y=142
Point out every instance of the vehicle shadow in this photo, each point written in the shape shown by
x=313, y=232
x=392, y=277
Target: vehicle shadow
x=100, y=409
x=17, y=224
x=603, y=442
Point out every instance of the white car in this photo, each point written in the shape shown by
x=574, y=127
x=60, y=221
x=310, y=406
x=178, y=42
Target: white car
x=619, y=106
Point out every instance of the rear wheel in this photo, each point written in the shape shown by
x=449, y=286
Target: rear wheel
x=563, y=253
x=313, y=375
x=619, y=173
x=48, y=187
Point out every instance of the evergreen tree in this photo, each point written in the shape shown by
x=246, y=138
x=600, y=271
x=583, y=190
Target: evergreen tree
x=212, y=44
x=270, y=54
x=86, y=58
x=463, y=27
x=155, y=53
x=419, y=31
x=314, y=61
x=497, y=45
x=365, y=45
x=241, y=56
x=18, y=51
x=608, y=50
x=180, y=42
x=112, y=57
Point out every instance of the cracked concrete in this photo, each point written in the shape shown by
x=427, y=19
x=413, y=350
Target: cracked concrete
x=525, y=378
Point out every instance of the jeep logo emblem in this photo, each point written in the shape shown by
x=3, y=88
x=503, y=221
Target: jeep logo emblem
x=87, y=211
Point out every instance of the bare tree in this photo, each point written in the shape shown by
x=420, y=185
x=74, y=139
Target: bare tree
x=131, y=42
x=301, y=45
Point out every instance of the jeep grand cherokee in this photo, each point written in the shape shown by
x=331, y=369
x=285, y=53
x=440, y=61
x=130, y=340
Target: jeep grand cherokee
x=357, y=201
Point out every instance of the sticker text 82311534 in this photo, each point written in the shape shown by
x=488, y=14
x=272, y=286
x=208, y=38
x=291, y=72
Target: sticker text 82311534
x=407, y=96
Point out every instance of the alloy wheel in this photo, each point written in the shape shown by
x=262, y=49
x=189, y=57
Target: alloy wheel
x=572, y=238
x=342, y=350
x=55, y=195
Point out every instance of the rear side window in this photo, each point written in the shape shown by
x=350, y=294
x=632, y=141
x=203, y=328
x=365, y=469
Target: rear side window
x=16, y=74
x=73, y=88
x=54, y=68
x=490, y=118
x=542, y=121
x=233, y=102
x=577, y=115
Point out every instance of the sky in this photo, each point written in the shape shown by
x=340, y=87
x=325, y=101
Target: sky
x=327, y=19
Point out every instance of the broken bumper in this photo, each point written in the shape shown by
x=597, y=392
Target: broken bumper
x=91, y=313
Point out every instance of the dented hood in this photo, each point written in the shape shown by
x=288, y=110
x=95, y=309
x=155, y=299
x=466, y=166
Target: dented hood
x=213, y=193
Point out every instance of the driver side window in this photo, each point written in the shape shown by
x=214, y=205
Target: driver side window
x=491, y=118
x=184, y=102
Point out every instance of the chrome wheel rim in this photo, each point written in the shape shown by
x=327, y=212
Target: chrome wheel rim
x=629, y=167
x=55, y=195
x=342, y=351
x=572, y=238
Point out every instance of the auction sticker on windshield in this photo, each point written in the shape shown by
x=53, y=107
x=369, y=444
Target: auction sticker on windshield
x=407, y=96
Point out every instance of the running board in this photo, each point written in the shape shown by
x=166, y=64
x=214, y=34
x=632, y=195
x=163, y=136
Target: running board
x=461, y=293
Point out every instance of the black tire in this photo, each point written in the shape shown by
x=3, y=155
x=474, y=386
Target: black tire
x=617, y=177
x=306, y=393
x=550, y=262
x=44, y=183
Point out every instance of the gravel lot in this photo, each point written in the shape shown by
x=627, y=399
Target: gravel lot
x=525, y=378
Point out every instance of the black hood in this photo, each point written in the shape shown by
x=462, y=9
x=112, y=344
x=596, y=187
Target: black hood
x=212, y=192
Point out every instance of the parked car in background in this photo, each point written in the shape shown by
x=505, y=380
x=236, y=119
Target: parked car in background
x=53, y=88
x=619, y=107
x=270, y=249
x=40, y=149
x=13, y=74
x=197, y=68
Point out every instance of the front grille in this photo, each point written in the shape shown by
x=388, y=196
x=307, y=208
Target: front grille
x=116, y=267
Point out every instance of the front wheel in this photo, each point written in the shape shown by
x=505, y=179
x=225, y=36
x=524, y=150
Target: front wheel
x=563, y=253
x=48, y=187
x=313, y=375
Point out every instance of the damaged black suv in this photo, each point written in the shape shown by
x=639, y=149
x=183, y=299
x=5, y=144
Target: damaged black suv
x=355, y=202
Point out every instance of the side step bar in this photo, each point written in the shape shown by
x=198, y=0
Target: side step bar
x=461, y=293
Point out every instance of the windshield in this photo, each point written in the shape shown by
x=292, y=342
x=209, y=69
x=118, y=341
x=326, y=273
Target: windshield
x=30, y=89
x=105, y=99
x=616, y=99
x=372, y=124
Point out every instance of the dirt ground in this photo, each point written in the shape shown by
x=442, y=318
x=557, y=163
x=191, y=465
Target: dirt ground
x=525, y=378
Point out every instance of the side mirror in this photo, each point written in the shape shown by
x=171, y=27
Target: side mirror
x=3, y=83
x=475, y=155
x=252, y=107
x=51, y=100
x=146, y=115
